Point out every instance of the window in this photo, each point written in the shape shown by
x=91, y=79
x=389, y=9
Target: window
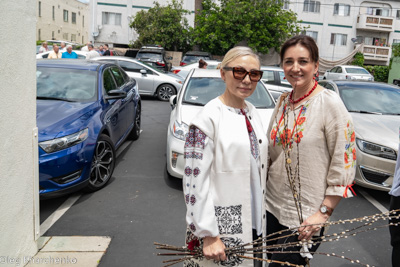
x=110, y=18
x=118, y=76
x=338, y=39
x=73, y=37
x=130, y=66
x=40, y=9
x=311, y=6
x=54, y=13
x=108, y=81
x=378, y=11
x=398, y=14
x=52, y=35
x=65, y=36
x=396, y=41
x=312, y=34
x=286, y=4
x=73, y=17
x=83, y=21
x=268, y=77
x=39, y=37
x=341, y=10
x=65, y=15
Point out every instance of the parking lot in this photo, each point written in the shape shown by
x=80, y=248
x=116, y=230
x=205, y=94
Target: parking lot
x=142, y=205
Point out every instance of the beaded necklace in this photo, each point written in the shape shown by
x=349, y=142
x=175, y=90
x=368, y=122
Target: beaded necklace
x=304, y=96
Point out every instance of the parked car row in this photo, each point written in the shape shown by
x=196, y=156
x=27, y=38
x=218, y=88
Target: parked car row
x=348, y=72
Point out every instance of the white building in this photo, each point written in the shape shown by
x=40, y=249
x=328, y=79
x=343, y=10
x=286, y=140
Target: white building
x=110, y=19
x=66, y=20
x=339, y=25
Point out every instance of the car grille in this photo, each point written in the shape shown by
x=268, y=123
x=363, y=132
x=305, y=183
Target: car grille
x=67, y=178
x=374, y=176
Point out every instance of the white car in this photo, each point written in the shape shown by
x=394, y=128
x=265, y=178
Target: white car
x=348, y=72
x=200, y=87
x=183, y=71
x=81, y=54
x=151, y=81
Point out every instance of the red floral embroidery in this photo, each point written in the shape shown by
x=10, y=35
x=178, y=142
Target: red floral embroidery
x=273, y=134
x=346, y=158
x=195, y=243
x=353, y=137
x=298, y=136
x=301, y=120
x=286, y=136
x=354, y=153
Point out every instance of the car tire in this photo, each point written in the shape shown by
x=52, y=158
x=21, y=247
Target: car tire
x=103, y=164
x=165, y=91
x=135, y=132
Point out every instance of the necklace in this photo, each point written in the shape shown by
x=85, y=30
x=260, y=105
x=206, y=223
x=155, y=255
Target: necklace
x=304, y=96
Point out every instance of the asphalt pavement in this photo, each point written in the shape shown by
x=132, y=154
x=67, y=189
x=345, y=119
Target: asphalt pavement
x=141, y=205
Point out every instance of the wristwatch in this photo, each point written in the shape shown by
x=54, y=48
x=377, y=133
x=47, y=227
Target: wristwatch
x=325, y=210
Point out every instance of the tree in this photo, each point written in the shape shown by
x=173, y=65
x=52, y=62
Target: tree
x=262, y=24
x=163, y=25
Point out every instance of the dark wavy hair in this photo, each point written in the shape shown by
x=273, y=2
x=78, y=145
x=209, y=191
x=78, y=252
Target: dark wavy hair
x=305, y=41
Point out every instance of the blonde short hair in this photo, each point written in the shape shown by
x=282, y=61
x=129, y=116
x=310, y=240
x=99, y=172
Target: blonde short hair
x=238, y=51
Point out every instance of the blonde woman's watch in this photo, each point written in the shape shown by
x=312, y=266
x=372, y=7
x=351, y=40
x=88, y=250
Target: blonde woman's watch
x=325, y=210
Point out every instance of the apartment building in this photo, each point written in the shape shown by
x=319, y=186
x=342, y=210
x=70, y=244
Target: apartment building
x=66, y=20
x=110, y=19
x=339, y=26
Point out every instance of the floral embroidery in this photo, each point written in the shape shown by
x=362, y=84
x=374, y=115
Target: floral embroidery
x=229, y=219
x=194, y=155
x=196, y=172
x=284, y=137
x=187, y=198
x=188, y=171
x=192, y=227
x=350, y=147
x=192, y=200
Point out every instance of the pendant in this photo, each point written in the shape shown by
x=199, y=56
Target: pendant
x=289, y=161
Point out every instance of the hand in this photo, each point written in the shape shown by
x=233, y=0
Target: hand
x=213, y=248
x=312, y=225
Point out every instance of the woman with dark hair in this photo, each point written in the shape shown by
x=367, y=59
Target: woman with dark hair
x=312, y=153
x=202, y=64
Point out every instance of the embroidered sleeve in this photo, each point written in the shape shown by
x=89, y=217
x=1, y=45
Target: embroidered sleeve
x=340, y=137
x=200, y=214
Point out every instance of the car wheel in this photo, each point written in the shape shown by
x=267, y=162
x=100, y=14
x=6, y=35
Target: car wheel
x=165, y=91
x=103, y=164
x=135, y=132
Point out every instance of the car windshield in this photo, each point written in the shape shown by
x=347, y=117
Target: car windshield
x=66, y=84
x=195, y=58
x=356, y=71
x=149, y=56
x=200, y=91
x=372, y=100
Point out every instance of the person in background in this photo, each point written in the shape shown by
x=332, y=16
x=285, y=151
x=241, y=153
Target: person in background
x=92, y=53
x=86, y=47
x=43, y=48
x=63, y=48
x=101, y=50
x=202, y=64
x=69, y=53
x=56, y=53
x=395, y=205
x=106, y=50
x=312, y=154
x=225, y=166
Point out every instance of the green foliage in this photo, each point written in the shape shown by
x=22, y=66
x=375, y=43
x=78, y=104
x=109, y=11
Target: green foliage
x=262, y=24
x=358, y=59
x=163, y=25
x=396, y=50
x=380, y=73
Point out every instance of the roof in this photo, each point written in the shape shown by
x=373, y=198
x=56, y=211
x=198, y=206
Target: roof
x=271, y=68
x=361, y=84
x=197, y=53
x=70, y=64
x=206, y=73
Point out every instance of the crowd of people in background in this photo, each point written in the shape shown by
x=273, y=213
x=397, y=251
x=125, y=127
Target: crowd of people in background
x=65, y=51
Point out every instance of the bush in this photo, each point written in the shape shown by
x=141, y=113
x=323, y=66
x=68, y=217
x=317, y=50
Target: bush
x=380, y=73
x=358, y=59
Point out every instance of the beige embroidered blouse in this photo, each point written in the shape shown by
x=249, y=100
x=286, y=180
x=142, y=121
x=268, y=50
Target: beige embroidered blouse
x=323, y=130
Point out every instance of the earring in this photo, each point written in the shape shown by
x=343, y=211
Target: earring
x=284, y=78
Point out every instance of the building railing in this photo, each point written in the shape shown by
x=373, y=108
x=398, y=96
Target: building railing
x=373, y=52
x=375, y=23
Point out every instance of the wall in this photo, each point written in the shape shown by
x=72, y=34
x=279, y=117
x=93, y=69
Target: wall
x=18, y=160
x=57, y=26
x=394, y=72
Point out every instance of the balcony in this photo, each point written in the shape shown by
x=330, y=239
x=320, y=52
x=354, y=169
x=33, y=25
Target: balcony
x=375, y=23
x=377, y=53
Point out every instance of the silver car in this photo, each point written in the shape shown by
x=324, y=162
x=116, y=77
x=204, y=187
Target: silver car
x=274, y=80
x=375, y=110
x=348, y=72
x=151, y=81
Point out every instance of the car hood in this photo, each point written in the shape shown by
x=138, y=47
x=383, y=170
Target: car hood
x=378, y=129
x=175, y=76
x=58, y=118
x=187, y=112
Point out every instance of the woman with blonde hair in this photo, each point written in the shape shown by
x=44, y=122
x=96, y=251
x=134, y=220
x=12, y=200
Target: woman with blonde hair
x=225, y=167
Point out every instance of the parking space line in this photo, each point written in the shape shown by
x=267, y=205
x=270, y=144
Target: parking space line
x=373, y=201
x=58, y=213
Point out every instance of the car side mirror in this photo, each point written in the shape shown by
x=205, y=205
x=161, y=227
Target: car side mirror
x=143, y=71
x=115, y=94
x=172, y=101
x=328, y=71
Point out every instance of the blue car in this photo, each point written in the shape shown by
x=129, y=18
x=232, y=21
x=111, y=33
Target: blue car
x=85, y=111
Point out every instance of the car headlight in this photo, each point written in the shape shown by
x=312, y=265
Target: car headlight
x=64, y=142
x=376, y=150
x=180, y=130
